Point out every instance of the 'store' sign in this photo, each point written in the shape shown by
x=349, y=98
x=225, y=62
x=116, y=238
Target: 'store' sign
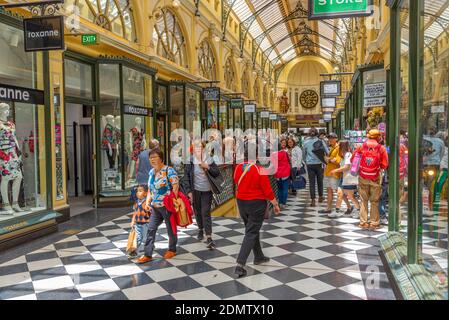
x=44, y=33
x=329, y=9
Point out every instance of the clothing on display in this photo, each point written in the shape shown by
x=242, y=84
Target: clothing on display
x=137, y=137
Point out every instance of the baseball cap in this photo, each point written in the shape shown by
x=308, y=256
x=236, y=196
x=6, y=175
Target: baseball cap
x=332, y=136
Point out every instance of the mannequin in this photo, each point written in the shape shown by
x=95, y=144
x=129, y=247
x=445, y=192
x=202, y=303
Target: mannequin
x=109, y=140
x=137, y=143
x=10, y=161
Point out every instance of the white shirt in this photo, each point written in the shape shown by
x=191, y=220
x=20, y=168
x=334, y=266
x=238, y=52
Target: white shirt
x=296, y=157
x=348, y=178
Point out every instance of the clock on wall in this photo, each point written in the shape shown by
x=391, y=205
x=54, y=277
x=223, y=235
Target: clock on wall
x=308, y=99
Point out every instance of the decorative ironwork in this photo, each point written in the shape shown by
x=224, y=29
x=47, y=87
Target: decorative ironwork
x=226, y=7
x=168, y=38
x=45, y=9
x=206, y=61
x=197, y=8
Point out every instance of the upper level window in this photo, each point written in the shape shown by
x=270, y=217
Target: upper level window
x=168, y=38
x=206, y=61
x=113, y=15
x=229, y=75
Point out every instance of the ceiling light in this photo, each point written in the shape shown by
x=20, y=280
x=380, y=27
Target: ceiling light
x=217, y=38
x=176, y=3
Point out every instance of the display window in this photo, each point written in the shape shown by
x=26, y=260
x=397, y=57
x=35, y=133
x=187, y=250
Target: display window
x=212, y=115
x=222, y=123
x=23, y=185
x=193, y=112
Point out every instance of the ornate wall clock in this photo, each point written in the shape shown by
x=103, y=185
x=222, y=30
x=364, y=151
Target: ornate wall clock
x=308, y=99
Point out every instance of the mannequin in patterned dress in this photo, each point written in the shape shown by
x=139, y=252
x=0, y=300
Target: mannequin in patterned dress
x=137, y=144
x=10, y=161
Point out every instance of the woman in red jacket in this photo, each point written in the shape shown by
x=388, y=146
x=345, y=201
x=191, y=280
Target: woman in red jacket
x=281, y=162
x=253, y=192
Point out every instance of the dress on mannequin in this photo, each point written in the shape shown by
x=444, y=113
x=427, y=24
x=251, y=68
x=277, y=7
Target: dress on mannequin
x=10, y=162
x=137, y=144
x=109, y=141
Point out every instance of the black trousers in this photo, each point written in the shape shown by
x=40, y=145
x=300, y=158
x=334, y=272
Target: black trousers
x=111, y=158
x=202, y=202
x=158, y=216
x=252, y=213
x=315, y=172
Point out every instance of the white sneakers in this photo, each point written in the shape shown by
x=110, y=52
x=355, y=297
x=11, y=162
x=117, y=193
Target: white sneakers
x=335, y=214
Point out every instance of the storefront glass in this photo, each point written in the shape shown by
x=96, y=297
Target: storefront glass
x=193, y=112
x=137, y=89
x=110, y=128
x=222, y=123
x=212, y=115
x=78, y=79
x=22, y=131
x=238, y=119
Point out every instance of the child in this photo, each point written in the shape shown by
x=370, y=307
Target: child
x=141, y=217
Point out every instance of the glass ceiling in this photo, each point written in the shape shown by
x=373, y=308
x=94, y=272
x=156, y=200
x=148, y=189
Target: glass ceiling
x=270, y=22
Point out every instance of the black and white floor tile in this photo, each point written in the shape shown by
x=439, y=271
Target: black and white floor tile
x=312, y=257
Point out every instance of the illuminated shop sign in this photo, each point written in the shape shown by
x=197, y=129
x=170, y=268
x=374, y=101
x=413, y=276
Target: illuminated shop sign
x=44, y=33
x=332, y=9
x=138, y=111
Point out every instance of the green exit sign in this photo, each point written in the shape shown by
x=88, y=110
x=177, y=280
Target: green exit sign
x=89, y=39
x=332, y=9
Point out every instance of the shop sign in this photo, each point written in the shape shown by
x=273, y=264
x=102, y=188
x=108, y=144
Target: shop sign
x=223, y=108
x=211, y=94
x=437, y=109
x=327, y=110
x=382, y=127
x=328, y=102
x=327, y=117
x=375, y=102
x=19, y=94
x=375, y=90
x=44, y=33
x=138, y=111
x=89, y=39
x=264, y=114
x=330, y=88
x=236, y=103
x=332, y=9
x=250, y=108
x=309, y=117
x=273, y=116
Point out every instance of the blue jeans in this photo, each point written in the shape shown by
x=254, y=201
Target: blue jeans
x=141, y=232
x=283, y=190
x=383, y=201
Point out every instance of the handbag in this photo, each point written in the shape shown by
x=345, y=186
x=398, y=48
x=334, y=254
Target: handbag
x=216, y=183
x=299, y=182
x=132, y=241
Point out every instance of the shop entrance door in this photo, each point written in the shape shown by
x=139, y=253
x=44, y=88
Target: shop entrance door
x=162, y=134
x=80, y=170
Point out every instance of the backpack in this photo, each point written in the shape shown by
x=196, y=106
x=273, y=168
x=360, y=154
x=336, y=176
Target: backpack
x=370, y=161
x=319, y=151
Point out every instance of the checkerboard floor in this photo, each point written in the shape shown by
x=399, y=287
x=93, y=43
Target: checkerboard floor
x=312, y=257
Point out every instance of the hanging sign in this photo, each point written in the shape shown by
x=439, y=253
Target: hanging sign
x=273, y=116
x=374, y=90
x=327, y=117
x=211, y=94
x=330, y=88
x=327, y=110
x=328, y=102
x=264, y=114
x=19, y=94
x=333, y=9
x=138, y=111
x=236, y=103
x=375, y=102
x=437, y=109
x=250, y=108
x=44, y=33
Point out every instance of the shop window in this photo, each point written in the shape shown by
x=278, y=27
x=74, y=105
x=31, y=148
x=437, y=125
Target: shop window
x=110, y=126
x=113, y=15
x=212, y=114
x=23, y=157
x=222, y=116
x=137, y=89
x=193, y=112
x=78, y=79
x=168, y=38
x=206, y=61
x=229, y=75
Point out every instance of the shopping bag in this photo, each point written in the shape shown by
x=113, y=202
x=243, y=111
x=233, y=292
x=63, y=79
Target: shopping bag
x=132, y=241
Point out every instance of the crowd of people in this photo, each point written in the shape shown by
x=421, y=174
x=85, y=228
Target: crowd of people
x=356, y=177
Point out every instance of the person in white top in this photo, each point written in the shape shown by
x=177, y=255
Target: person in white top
x=350, y=182
x=295, y=154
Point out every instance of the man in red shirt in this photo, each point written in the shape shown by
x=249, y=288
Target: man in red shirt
x=374, y=159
